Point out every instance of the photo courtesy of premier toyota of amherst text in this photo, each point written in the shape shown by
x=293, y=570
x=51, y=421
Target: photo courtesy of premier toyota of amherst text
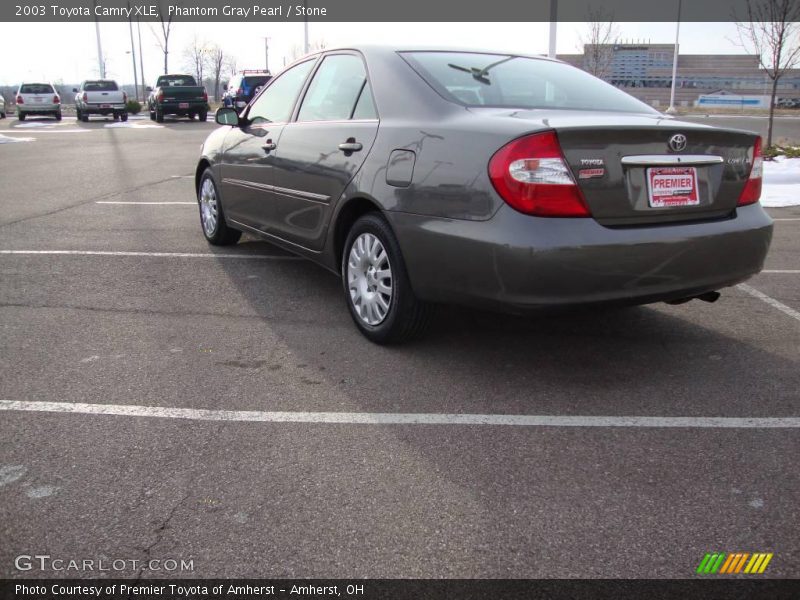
x=399, y=300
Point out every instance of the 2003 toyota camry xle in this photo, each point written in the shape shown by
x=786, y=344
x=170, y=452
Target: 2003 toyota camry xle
x=501, y=181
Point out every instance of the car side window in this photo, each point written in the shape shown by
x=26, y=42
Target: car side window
x=333, y=92
x=365, y=107
x=276, y=103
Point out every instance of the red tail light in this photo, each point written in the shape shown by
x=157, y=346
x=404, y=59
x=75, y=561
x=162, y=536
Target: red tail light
x=20, y=100
x=752, y=188
x=85, y=97
x=56, y=100
x=125, y=97
x=532, y=176
x=160, y=96
x=205, y=96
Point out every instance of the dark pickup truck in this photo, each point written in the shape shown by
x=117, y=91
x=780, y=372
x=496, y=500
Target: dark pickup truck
x=177, y=95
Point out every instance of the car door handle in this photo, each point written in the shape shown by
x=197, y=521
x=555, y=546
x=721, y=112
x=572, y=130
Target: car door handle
x=351, y=145
x=269, y=146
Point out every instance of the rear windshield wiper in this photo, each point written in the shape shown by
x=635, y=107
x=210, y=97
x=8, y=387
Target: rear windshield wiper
x=481, y=75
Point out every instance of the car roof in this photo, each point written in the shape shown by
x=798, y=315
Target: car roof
x=383, y=49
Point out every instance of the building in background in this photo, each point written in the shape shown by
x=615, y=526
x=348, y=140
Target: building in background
x=645, y=71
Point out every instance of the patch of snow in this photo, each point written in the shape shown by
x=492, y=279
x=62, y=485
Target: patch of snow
x=781, y=186
x=4, y=139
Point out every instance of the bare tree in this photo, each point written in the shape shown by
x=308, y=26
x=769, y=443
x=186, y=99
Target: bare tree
x=162, y=33
x=216, y=63
x=196, y=57
x=772, y=32
x=601, y=33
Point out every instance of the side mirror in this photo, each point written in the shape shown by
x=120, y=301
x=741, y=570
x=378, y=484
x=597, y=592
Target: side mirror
x=75, y=90
x=148, y=89
x=227, y=116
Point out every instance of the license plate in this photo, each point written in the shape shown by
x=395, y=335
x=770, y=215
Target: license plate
x=105, y=106
x=37, y=99
x=672, y=186
x=183, y=105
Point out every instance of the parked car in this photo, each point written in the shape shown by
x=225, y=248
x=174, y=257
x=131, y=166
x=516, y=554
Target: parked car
x=100, y=97
x=2, y=107
x=38, y=99
x=493, y=180
x=177, y=95
x=243, y=87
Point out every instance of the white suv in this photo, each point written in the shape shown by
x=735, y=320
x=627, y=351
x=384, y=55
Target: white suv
x=38, y=99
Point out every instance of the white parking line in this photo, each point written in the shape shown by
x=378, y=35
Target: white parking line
x=196, y=414
x=786, y=219
x=149, y=254
x=784, y=271
x=769, y=300
x=148, y=203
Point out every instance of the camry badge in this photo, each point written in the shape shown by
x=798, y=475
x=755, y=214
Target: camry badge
x=677, y=142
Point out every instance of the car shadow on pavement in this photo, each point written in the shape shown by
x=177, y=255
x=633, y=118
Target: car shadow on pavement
x=654, y=359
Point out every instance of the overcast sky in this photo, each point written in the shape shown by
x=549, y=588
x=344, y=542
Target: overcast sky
x=67, y=52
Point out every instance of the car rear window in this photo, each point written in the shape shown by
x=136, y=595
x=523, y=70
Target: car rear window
x=256, y=81
x=100, y=86
x=176, y=81
x=36, y=88
x=498, y=80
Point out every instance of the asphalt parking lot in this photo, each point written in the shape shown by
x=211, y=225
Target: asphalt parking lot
x=111, y=297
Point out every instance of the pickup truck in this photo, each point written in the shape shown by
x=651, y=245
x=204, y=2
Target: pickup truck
x=100, y=97
x=177, y=95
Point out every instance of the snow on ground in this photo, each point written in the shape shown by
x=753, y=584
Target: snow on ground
x=4, y=139
x=781, y=186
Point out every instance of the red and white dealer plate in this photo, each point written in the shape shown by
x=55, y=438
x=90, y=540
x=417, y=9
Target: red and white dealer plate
x=672, y=186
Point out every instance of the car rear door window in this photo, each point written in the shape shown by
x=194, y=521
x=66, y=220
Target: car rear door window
x=276, y=103
x=365, y=107
x=36, y=88
x=336, y=87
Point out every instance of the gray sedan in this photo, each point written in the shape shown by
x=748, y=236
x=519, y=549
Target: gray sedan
x=508, y=182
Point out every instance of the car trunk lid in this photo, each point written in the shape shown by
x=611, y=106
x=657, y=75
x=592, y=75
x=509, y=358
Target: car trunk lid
x=640, y=169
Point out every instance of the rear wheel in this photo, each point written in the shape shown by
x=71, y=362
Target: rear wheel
x=58, y=116
x=116, y=116
x=21, y=115
x=203, y=116
x=376, y=285
x=212, y=219
x=124, y=116
x=84, y=117
x=159, y=116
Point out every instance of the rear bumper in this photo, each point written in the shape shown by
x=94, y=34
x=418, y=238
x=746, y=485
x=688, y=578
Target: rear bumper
x=96, y=109
x=173, y=108
x=516, y=262
x=38, y=108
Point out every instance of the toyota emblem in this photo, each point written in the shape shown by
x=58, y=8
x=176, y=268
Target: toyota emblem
x=677, y=142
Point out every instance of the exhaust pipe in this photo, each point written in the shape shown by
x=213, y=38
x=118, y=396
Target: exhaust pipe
x=706, y=297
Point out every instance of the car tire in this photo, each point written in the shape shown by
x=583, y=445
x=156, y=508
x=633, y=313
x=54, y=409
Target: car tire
x=21, y=116
x=84, y=117
x=116, y=116
x=124, y=116
x=203, y=116
x=212, y=219
x=58, y=116
x=152, y=115
x=406, y=316
x=78, y=114
x=159, y=116
x=2, y=115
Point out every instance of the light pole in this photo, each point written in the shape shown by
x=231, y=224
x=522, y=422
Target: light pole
x=141, y=60
x=553, y=28
x=133, y=58
x=305, y=27
x=671, y=110
x=266, y=53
